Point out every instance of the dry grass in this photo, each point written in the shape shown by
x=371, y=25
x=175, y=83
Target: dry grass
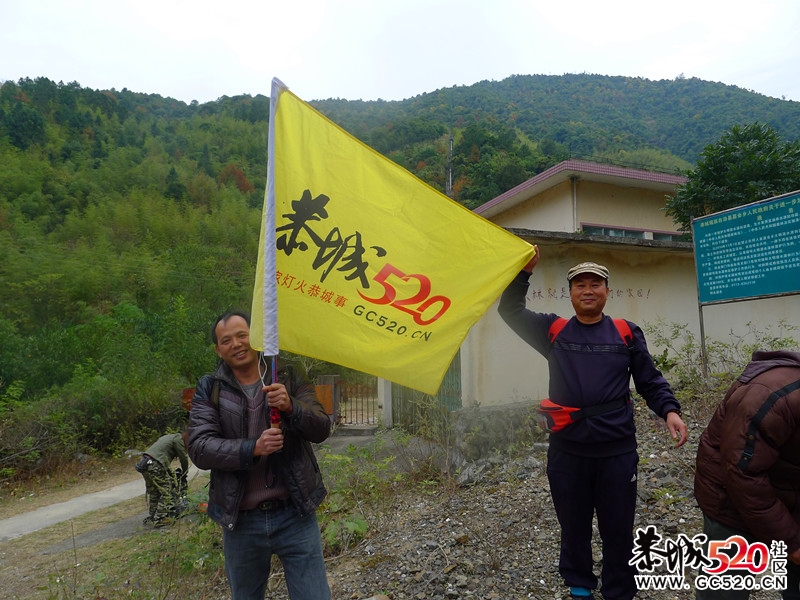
x=106, y=553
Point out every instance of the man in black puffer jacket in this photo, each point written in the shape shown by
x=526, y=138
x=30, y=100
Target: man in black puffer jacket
x=265, y=481
x=747, y=480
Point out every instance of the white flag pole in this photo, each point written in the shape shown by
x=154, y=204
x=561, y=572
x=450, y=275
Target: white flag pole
x=270, y=299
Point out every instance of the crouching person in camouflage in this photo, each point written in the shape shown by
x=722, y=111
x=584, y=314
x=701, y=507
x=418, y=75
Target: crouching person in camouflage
x=163, y=487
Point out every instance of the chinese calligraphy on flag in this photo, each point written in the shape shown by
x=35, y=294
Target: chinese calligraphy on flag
x=374, y=269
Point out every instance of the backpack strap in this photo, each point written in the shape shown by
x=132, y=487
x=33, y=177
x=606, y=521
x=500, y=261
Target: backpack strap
x=621, y=324
x=215, y=392
x=624, y=331
x=555, y=328
x=755, y=422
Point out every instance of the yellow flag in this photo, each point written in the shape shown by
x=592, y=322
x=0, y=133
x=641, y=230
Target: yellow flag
x=375, y=270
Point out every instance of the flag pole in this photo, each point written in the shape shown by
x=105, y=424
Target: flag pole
x=270, y=299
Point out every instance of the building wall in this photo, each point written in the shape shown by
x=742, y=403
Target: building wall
x=626, y=207
x=500, y=368
x=549, y=211
x=649, y=284
x=597, y=203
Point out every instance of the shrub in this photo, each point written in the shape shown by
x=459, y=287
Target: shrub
x=701, y=382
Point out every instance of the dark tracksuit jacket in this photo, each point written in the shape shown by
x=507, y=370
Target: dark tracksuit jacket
x=590, y=364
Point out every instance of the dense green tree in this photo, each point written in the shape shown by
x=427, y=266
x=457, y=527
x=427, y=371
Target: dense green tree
x=11, y=354
x=204, y=162
x=175, y=189
x=747, y=164
x=24, y=125
x=489, y=159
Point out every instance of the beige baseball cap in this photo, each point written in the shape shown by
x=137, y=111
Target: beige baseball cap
x=587, y=267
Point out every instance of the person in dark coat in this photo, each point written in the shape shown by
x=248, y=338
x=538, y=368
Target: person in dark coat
x=747, y=476
x=265, y=482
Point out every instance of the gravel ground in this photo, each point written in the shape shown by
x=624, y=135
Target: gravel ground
x=492, y=533
x=498, y=538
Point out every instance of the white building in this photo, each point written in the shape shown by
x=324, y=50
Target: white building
x=583, y=211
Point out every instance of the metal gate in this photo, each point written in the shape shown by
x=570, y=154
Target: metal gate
x=410, y=407
x=358, y=400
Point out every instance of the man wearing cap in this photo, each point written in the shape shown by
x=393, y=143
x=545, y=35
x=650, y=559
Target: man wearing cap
x=592, y=461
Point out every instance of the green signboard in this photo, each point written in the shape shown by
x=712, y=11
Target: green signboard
x=749, y=252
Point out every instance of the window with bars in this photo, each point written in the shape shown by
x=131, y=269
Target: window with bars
x=630, y=233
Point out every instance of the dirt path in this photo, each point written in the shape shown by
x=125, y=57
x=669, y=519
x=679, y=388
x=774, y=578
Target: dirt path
x=28, y=522
x=45, y=516
x=44, y=525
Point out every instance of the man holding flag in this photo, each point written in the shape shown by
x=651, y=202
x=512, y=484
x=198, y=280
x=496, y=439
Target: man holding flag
x=265, y=482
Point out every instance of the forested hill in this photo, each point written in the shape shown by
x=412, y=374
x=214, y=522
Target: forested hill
x=587, y=114
x=503, y=131
x=127, y=220
x=591, y=113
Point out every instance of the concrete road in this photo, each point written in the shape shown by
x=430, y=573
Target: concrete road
x=45, y=516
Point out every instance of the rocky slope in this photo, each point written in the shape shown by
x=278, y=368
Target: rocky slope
x=497, y=538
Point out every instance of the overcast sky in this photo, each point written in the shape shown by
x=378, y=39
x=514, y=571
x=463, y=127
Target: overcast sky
x=392, y=49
